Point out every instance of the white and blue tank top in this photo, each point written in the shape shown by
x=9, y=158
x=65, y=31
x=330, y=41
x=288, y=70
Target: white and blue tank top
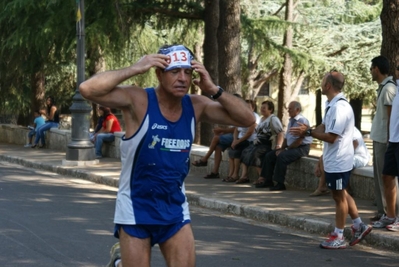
x=155, y=162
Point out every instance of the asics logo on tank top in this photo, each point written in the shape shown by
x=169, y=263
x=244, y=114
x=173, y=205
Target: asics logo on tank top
x=159, y=127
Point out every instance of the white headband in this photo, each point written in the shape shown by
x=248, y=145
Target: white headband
x=179, y=57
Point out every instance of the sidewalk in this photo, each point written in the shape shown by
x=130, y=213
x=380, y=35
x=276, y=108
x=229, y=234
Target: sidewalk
x=292, y=208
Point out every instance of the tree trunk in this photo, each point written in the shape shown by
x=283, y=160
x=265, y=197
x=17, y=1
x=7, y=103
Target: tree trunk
x=37, y=98
x=357, y=105
x=211, y=60
x=210, y=46
x=390, y=33
x=38, y=91
x=229, y=46
x=95, y=65
x=318, y=111
x=284, y=92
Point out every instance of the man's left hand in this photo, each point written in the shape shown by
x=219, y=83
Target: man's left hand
x=204, y=82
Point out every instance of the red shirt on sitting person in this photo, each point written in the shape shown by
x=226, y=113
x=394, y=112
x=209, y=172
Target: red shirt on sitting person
x=115, y=127
x=110, y=123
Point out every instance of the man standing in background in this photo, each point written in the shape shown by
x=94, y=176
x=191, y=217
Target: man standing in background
x=379, y=130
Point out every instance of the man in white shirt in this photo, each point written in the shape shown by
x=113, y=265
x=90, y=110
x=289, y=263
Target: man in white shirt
x=390, y=171
x=360, y=159
x=379, y=129
x=336, y=131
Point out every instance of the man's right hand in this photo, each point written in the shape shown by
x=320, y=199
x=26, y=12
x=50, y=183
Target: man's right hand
x=148, y=61
x=299, y=130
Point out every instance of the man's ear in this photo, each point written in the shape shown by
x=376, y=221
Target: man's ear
x=158, y=72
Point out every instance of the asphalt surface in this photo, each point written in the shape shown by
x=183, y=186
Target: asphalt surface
x=48, y=219
x=292, y=208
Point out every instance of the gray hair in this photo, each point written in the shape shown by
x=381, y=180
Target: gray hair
x=297, y=105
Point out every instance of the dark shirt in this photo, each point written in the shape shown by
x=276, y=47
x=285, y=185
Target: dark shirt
x=99, y=124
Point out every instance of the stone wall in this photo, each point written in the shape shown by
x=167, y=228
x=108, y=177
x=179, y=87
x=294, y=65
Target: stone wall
x=57, y=139
x=300, y=174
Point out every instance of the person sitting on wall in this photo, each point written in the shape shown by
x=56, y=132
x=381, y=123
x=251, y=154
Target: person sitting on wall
x=37, y=123
x=52, y=116
x=106, y=134
x=275, y=163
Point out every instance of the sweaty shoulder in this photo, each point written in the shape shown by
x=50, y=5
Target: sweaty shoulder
x=200, y=102
x=132, y=95
x=135, y=101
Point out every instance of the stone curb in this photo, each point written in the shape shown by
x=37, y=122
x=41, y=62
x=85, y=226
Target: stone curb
x=313, y=226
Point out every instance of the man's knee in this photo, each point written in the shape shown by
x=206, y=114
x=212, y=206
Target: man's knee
x=339, y=196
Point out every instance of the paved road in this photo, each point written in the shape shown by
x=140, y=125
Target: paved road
x=50, y=220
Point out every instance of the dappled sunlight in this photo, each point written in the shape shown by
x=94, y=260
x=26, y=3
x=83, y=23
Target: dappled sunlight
x=81, y=181
x=99, y=232
x=104, y=173
x=73, y=219
x=41, y=200
x=85, y=202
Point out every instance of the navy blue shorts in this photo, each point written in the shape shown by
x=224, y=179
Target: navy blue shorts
x=225, y=141
x=337, y=181
x=157, y=233
x=391, y=160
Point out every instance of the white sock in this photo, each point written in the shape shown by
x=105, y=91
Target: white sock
x=117, y=262
x=356, y=223
x=339, y=232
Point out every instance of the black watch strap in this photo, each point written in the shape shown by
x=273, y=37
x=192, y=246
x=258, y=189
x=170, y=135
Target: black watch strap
x=219, y=93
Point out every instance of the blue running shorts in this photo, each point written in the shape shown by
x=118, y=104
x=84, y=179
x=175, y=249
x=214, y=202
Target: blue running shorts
x=337, y=181
x=157, y=233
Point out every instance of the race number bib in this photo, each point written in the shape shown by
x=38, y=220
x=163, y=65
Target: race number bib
x=178, y=57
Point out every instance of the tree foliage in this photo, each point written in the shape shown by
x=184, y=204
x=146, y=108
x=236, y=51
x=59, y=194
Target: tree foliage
x=342, y=35
x=39, y=37
x=34, y=40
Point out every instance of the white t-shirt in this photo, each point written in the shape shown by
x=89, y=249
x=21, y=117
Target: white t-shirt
x=339, y=119
x=394, y=122
x=385, y=96
x=243, y=130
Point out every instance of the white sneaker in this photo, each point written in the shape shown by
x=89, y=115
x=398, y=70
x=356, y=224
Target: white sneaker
x=393, y=227
x=28, y=145
x=333, y=242
x=383, y=222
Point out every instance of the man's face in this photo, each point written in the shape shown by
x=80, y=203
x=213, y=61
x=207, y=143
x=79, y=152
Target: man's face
x=292, y=111
x=324, y=88
x=373, y=72
x=176, y=81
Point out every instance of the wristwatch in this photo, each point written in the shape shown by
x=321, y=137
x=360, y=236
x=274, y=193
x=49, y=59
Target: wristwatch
x=219, y=93
x=308, y=132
